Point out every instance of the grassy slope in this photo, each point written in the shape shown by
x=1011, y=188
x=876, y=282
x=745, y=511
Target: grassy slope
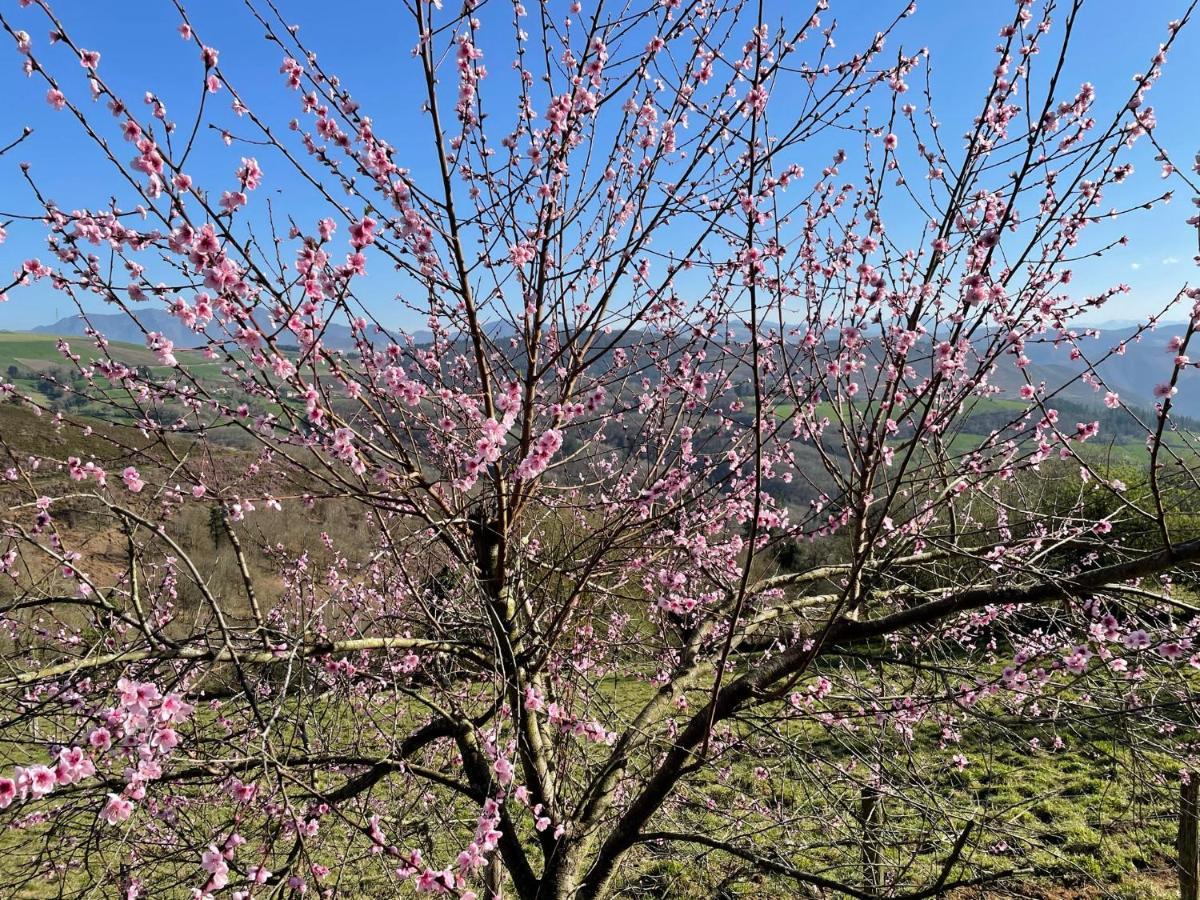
x=37, y=352
x=1079, y=808
x=1079, y=811
x=33, y=352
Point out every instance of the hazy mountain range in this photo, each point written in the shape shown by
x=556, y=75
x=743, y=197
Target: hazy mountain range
x=120, y=327
x=1134, y=374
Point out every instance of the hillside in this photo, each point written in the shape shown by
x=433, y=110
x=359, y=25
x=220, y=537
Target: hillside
x=121, y=327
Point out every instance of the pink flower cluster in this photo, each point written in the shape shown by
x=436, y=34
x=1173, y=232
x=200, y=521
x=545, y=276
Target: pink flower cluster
x=593, y=731
x=362, y=233
x=249, y=173
x=398, y=384
x=469, y=75
x=488, y=447
x=81, y=471
x=33, y=782
x=162, y=347
x=486, y=840
x=343, y=446
x=294, y=72
x=427, y=880
x=215, y=861
x=133, y=480
x=539, y=457
x=141, y=728
x=522, y=254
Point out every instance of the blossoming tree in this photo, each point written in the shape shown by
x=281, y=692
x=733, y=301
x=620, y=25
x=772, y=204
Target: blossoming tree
x=674, y=530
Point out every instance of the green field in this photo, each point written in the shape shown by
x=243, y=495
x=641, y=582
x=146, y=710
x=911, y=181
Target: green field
x=1083, y=823
x=33, y=363
x=35, y=352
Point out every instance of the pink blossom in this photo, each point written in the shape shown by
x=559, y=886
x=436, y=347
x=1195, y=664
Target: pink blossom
x=1165, y=390
x=133, y=480
x=213, y=862
x=521, y=254
x=116, y=810
x=504, y=771
x=250, y=173
x=1137, y=640
x=362, y=232
x=41, y=780
x=755, y=103
x=1171, y=650
x=162, y=348
x=540, y=454
x=232, y=200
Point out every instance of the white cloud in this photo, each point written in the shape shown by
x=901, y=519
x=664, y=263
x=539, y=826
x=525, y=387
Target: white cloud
x=1135, y=266
x=1170, y=260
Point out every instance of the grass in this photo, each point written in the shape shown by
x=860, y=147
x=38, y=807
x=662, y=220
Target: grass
x=1108, y=830
x=1102, y=825
x=32, y=362
x=37, y=352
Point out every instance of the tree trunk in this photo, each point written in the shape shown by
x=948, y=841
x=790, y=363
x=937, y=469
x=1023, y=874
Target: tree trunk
x=871, y=817
x=1189, y=828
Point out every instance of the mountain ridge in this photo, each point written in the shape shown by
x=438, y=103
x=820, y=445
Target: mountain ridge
x=1146, y=361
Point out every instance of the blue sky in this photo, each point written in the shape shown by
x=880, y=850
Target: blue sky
x=368, y=46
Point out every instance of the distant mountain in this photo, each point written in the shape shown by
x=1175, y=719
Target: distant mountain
x=121, y=327
x=1134, y=374
x=1145, y=363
